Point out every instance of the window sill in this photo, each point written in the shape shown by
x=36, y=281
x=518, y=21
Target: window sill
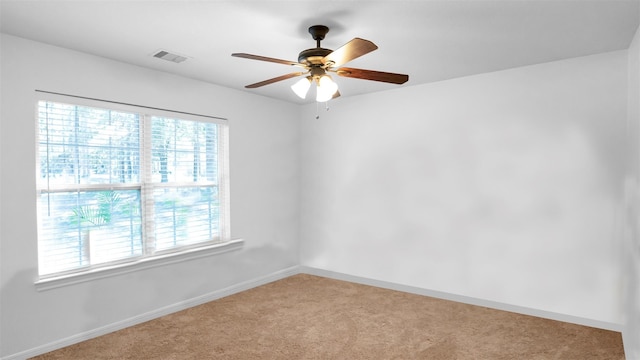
x=56, y=282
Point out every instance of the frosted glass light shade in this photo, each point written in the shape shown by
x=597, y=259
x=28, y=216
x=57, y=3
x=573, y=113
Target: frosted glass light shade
x=301, y=87
x=326, y=89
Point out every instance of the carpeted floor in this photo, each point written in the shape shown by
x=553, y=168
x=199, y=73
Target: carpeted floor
x=310, y=317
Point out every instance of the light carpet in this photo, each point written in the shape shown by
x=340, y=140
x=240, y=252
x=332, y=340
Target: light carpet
x=311, y=317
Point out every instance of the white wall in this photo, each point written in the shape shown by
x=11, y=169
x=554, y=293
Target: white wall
x=264, y=200
x=504, y=186
x=631, y=249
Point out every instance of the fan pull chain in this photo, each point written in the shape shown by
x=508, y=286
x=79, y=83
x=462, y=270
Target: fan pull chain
x=326, y=108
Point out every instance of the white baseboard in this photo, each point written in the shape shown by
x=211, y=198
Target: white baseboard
x=233, y=289
x=281, y=274
x=463, y=299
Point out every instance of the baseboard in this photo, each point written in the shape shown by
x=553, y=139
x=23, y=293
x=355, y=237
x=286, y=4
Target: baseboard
x=463, y=299
x=214, y=295
x=281, y=274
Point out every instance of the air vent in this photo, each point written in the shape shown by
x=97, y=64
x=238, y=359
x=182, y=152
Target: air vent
x=165, y=55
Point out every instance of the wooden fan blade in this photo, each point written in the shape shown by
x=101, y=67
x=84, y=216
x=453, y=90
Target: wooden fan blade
x=275, y=79
x=349, y=51
x=373, y=75
x=264, y=58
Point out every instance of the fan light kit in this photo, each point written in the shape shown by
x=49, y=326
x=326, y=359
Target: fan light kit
x=317, y=62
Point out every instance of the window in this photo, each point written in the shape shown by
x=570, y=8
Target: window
x=117, y=186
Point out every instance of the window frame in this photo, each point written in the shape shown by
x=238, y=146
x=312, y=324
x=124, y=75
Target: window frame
x=161, y=257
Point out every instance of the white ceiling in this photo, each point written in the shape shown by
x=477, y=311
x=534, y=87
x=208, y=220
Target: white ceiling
x=429, y=40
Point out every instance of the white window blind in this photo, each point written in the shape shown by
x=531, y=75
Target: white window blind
x=118, y=186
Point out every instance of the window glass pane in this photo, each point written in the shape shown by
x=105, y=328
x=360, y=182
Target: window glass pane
x=83, y=145
x=185, y=216
x=78, y=229
x=107, y=176
x=183, y=151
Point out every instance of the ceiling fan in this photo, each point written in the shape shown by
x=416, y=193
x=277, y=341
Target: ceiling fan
x=318, y=61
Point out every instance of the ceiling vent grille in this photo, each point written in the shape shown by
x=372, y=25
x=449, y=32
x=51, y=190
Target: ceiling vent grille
x=165, y=55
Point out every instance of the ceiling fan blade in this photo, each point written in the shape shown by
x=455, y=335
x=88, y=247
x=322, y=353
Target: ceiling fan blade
x=264, y=58
x=337, y=94
x=349, y=51
x=275, y=79
x=373, y=75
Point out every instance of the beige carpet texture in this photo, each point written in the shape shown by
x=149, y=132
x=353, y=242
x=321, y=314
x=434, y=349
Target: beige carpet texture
x=311, y=317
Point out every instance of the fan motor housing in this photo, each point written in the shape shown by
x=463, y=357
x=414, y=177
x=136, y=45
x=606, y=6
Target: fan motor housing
x=313, y=56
